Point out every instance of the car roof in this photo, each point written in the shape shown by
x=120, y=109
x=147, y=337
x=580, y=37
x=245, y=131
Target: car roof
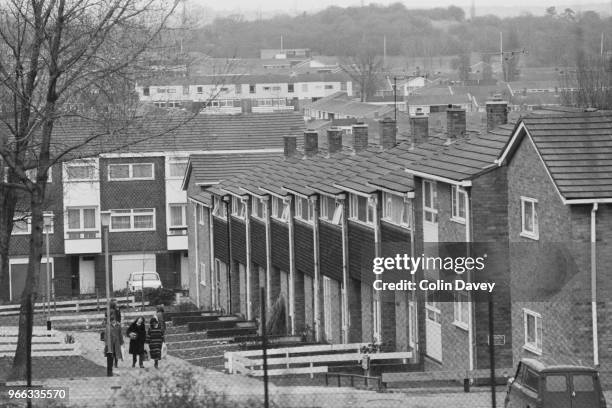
x=140, y=273
x=542, y=367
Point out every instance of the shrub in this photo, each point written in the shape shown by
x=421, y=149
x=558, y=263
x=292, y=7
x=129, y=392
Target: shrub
x=160, y=296
x=185, y=307
x=277, y=325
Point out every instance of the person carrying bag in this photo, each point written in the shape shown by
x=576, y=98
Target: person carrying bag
x=137, y=333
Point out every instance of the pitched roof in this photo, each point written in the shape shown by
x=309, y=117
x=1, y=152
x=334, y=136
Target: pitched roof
x=576, y=148
x=261, y=78
x=340, y=103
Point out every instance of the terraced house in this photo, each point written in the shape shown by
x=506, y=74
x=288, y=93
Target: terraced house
x=140, y=186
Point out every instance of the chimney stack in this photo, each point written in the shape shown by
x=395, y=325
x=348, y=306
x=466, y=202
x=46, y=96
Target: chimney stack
x=388, y=133
x=455, y=122
x=497, y=113
x=246, y=105
x=334, y=139
x=419, y=127
x=290, y=143
x=311, y=142
x=360, y=136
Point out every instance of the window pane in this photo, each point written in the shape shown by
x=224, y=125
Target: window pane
x=461, y=204
x=176, y=215
x=556, y=383
x=119, y=171
x=362, y=207
x=89, y=218
x=583, y=383
x=74, y=219
x=79, y=172
x=528, y=216
x=143, y=221
x=142, y=170
x=331, y=207
x=177, y=169
x=120, y=222
x=531, y=380
x=427, y=194
x=531, y=332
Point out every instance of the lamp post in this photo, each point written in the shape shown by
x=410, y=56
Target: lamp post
x=48, y=226
x=105, y=221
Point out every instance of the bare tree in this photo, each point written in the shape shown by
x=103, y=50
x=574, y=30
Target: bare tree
x=56, y=55
x=365, y=67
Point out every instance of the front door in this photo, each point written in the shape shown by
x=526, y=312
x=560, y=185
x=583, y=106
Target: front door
x=433, y=327
x=87, y=277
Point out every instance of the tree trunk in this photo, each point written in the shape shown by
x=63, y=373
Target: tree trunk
x=30, y=291
x=8, y=200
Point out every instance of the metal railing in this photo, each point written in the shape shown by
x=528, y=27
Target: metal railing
x=367, y=380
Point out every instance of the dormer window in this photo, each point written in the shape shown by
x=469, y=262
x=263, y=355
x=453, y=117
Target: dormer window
x=362, y=209
x=258, y=209
x=280, y=209
x=331, y=210
x=397, y=209
x=304, y=209
x=238, y=207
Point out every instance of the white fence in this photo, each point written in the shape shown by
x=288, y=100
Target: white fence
x=44, y=343
x=72, y=305
x=302, y=360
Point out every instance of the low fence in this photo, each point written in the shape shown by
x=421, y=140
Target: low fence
x=88, y=321
x=72, y=305
x=463, y=376
x=45, y=343
x=302, y=360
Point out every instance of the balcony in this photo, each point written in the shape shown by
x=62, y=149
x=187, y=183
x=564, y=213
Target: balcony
x=82, y=242
x=177, y=238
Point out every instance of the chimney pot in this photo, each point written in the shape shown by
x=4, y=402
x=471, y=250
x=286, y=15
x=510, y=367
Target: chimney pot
x=290, y=143
x=311, y=142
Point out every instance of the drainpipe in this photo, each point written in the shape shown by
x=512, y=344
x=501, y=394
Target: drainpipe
x=247, y=226
x=197, y=260
x=594, y=284
x=291, y=288
x=377, y=253
x=214, y=292
x=345, y=277
x=317, y=271
x=228, y=214
x=413, y=295
x=468, y=240
x=268, y=298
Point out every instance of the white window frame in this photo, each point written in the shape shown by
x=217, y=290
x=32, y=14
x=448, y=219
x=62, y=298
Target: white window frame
x=534, y=347
x=376, y=318
x=432, y=308
x=131, y=171
x=458, y=198
x=91, y=164
x=183, y=226
x=201, y=214
x=412, y=332
x=430, y=209
x=238, y=208
x=31, y=173
x=133, y=213
x=406, y=211
x=336, y=217
x=203, y=273
x=461, y=309
x=219, y=209
x=299, y=203
x=176, y=161
x=276, y=201
x=82, y=220
x=535, y=233
x=327, y=323
x=255, y=203
x=22, y=217
x=354, y=209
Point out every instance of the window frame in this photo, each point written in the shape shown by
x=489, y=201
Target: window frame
x=430, y=209
x=22, y=217
x=354, y=200
x=458, y=198
x=299, y=202
x=67, y=166
x=201, y=214
x=238, y=203
x=219, y=209
x=175, y=161
x=535, y=233
x=336, y=217
x=82, y=228
x=133, y=212
x=461, y=301
x=276, y=201
x=256, y=204
x=182, y=227
x=537, y=345
x=130, y=176
x=387, y=213
x=203, y=273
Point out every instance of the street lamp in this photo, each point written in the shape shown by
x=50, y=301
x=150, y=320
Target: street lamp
x=48, y=227
x=105, y=221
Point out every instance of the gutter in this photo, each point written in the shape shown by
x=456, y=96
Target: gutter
x=464, y=183
x=594, y=284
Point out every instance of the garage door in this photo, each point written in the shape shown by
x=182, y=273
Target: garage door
x=124, y=265
x=18, y=271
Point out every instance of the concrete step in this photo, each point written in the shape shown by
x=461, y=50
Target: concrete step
x=186, y=344
x=183, y=320
x=231, y=332
x=173, y=337
x=175, y=329
x=221, y=324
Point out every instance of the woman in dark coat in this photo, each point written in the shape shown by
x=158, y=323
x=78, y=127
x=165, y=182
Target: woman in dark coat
x=116, y=340
x=137, y=333
x=155, y=339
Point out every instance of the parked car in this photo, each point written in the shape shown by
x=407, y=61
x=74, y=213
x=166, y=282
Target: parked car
x=537, y=385
x=139, y=280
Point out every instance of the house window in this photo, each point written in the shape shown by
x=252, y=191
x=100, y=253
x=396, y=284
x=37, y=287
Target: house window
x=461, y=309
x=362, y=209
x=290, y=88
x=139, y=219
x=329, y=87
x=238, y=89
x=201, y=214
x=80, y=171
x=185, y=89
x=529, y=218
x=397, y=209
x=432, y=307
x=304, y=209
x=238, y=207
x=176, y=168
x=177, y=219
x=258, y=208
x=430, y=213
x=130, y=171
x=200, y=89
x=146, y=91
x=331, y=210
x=22, y=224
x=219, y=209
x=280, y=209
x=202, y=274
x=161, y=90
x=32, y=173
x=458, y=199
x=533, y=331
x=81, y=222
x=252, y=89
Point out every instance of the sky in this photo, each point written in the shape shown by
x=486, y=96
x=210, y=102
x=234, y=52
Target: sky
x=311, y=5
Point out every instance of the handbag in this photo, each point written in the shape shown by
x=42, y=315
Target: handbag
x=145, y=356
x=164, y=350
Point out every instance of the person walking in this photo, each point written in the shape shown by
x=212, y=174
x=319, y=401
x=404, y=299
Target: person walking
x=155, y=340
x=116, y=341
x=137, y=333
x=160, y=314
